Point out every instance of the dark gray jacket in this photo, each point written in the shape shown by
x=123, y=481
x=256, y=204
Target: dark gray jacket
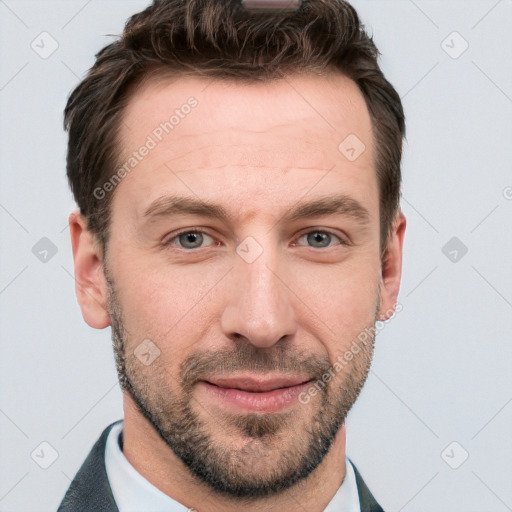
x=90, y=490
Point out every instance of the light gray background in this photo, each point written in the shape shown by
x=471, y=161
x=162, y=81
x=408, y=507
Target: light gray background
x=443, y=366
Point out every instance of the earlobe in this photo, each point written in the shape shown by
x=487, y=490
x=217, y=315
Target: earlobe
x=90, y=284
x=392, y=269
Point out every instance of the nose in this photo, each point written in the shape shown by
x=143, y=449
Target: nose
x=258, y=306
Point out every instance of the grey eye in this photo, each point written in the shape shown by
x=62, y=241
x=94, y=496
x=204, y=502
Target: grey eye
x=319, y=239
x=191, y=240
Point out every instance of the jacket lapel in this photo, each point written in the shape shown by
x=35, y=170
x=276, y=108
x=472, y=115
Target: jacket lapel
x=368, y=502
x=90, y=490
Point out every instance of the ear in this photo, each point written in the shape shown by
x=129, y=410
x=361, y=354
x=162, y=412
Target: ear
x=90, y=283
x=392, y=269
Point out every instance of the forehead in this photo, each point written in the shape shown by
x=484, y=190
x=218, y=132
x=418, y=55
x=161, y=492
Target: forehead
x=229, y=133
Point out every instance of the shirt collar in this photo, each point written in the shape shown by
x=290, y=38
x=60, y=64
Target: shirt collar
x=133, y=493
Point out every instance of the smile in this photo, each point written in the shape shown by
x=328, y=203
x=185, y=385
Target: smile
x=255, y=393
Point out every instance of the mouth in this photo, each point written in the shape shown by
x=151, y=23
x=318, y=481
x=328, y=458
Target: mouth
x=264, y=393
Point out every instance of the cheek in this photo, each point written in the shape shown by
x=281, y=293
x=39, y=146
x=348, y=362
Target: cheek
x=168, y=305
x=344, y=299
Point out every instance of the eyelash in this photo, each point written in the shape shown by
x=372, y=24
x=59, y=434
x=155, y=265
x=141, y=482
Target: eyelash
x=197, y=231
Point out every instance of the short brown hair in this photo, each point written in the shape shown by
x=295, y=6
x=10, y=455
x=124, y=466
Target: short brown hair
x=222, y=39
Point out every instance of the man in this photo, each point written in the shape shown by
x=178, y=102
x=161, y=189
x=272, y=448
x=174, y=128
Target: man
x=238, y=177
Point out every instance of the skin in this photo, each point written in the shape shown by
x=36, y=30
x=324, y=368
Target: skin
x=258, y=150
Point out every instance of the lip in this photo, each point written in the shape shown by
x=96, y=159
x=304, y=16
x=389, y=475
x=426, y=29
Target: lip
x=255, y=393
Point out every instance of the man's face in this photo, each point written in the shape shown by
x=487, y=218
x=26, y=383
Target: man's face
x=247, y=310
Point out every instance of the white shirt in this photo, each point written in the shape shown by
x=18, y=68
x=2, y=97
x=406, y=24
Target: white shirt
x=134, y=493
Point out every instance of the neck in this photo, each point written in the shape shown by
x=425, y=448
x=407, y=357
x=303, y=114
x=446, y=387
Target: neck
x=157, y=463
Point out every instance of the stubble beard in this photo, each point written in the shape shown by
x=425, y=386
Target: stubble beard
x=271, y=453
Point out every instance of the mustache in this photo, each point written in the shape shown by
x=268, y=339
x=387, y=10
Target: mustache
x=248, y=358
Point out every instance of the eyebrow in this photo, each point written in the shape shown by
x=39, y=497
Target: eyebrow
x=166, y=206
x=330, y=205
x=169, y=205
